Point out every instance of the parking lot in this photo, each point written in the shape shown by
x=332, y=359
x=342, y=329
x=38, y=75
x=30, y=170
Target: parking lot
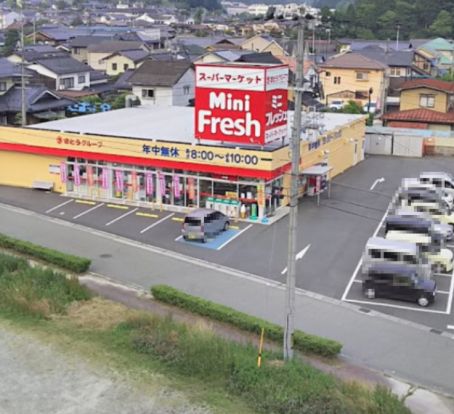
x=331, y=237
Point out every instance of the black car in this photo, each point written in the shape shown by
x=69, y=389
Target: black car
x=397, y=281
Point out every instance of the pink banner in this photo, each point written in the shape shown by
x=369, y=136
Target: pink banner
x=76, y=174
x=191, y=188
x=63, y=172
x=119, y=183
x=149, y=187
x=176, y=186
x=89, y=175
x=162, y=184
x=105, y=178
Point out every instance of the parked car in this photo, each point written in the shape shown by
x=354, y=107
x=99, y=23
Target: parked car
x=435, y=210
x=370, y=109
x=410, y=195
x=204, y=223
x=398, y=281
x=417, y=184
x=442, y=180
x=336, y=105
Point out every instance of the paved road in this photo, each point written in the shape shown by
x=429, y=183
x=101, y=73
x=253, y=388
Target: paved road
x=406, y=351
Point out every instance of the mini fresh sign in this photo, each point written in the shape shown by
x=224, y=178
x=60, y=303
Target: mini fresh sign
x=245, y=104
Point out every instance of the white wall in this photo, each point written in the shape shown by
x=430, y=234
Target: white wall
x=48, y=73
x=180, y=97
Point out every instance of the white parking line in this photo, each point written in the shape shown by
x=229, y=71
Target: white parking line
x=443, y=274
x=451, y=292
x=87, y=211
x=60, y=205
x=234, y=237
x=357, y=281
x=178, y=238
x=450, y=245
x=449, y=326
x=386, y=305
x=156, y=223
x=122, y=216
x=442, y=292
x=347, y=289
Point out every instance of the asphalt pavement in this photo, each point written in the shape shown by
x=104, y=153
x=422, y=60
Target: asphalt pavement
x=402, y=349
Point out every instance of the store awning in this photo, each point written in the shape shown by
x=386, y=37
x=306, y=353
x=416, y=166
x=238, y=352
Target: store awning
x=317, y=170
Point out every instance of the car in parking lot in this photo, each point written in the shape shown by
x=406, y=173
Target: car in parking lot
x=398, y=281
x=417, y=184
x=441, y=180
x=336, y=105
x=204, y=223
x=411, y=195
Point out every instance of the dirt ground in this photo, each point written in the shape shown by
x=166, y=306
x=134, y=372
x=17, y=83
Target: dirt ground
x=37, y=378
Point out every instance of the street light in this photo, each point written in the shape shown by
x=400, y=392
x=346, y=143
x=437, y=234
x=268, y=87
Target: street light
x=371, y=90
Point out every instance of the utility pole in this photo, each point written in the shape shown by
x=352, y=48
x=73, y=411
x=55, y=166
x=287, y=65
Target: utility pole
x=397, y=35
x=22, y=81
x=293, y=197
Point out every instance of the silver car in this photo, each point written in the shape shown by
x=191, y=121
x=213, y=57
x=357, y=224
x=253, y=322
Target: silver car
x=204, y=223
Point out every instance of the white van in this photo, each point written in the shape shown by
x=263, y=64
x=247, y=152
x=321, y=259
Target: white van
x=441, y=259
x=435, y=210
x=417, y=184
x=379, y=249
x=441, y=180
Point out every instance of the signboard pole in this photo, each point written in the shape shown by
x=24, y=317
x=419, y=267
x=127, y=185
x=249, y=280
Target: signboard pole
x=289, y=322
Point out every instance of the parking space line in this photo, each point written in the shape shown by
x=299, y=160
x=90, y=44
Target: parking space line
x=234, y=227
x=451, y=292
x=122, y=216
x=118, y=206
x=347, y=289
x=91, y=203
x=178, y=238
x=357, y=281
x=442, y=292
x=449, y=326
x=365, y=302
x=234, y=237
x=156, y=223
x=88, y=211
x=443, y=274
x=60, y=205
x=150, y=215
x=450, y=245
x=180, y=219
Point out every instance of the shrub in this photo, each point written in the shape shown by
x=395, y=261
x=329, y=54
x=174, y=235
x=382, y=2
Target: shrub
x=34, y=290
x=66, y=261
x=302, y=341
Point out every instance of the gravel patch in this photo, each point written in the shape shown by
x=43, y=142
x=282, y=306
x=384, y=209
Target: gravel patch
x=37, y=378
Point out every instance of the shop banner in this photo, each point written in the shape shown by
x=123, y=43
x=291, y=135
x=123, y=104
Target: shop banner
x=176, y=186
x=162, y=184
x=105, y=179
x=191, y=188
x=90, y=175
x=134, y=181
x=76, y=175
x=63, y=172
x=149, y=187
x=119, y=183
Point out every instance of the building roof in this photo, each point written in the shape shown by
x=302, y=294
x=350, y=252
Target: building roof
x=8, y=69
x=63, y=65
x=435, y=84
x=123, y=82
x=112, y=46
x=164, y=123
x=421, y=115
x=256, y=57
x=38, y=98
x=85, y=41
x=400, y=58
x=160, y=73
x=33, y=52
x=353, y=60
x=438, y=44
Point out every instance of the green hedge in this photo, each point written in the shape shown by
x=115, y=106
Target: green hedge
x=66, y=261
x=302, y=341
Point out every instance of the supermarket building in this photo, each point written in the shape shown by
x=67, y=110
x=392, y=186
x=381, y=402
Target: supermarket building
x=157, y=157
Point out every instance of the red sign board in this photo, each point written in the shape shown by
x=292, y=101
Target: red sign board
x=241, y=103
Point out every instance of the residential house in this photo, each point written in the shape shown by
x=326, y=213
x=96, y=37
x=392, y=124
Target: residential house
x=263, y=43
x=119, y=62
x=441, y=51
x=402, y=68
x=34, y=52
x=10, y=75
x=424, y=104
x=352, y=76
x=164, y=83
x=62, y=73
x=79, y=45
x=41, y=104
x=96, y=53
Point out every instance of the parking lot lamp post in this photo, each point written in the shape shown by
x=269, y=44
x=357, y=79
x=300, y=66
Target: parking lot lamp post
x=371, y=90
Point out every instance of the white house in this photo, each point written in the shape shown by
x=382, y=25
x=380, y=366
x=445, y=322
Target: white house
x=165, y=83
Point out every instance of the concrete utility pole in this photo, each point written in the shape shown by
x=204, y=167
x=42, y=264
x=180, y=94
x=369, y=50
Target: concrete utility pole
x=22, y=82
x=293, y=196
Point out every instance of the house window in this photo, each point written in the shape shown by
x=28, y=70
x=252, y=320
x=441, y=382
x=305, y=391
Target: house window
x=427, y=101
x=66, y=83
x=186, y=89
x=337, y=80
x=125, y=66
x=76, y=51
x=362, y=76
x=361, y=95
x=148, y=93
x=81, y=79
x=395, y=72
x=2, y=86
x=328, y=74
x=114, y=66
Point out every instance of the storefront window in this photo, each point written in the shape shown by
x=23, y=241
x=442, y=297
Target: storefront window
x=206, y=192
x=191, y=191
x=248, y=199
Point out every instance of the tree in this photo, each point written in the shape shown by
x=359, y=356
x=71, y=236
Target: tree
x=11, y=41
x=198, y=15
x=442, y=25
x=352, y=107
x=77, y=21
